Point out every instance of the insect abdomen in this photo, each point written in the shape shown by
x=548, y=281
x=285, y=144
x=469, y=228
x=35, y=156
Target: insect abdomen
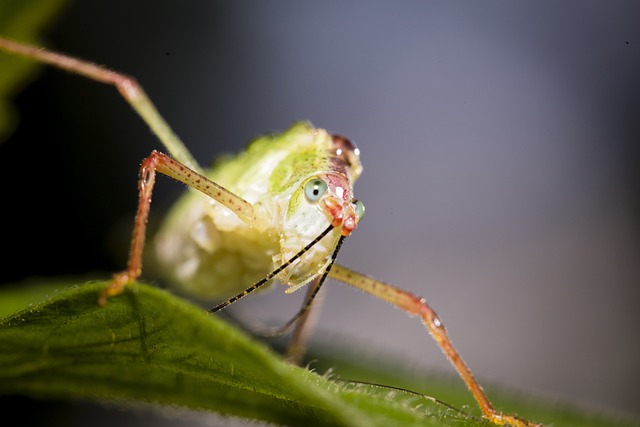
x=206, y=260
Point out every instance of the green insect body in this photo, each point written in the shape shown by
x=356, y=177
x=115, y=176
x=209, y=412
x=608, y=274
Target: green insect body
x=207, y=251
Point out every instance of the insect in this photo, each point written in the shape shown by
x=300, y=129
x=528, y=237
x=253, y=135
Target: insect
x=278, y=211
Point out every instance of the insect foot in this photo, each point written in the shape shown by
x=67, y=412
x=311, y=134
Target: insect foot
x=115, y=287
x=510, y=420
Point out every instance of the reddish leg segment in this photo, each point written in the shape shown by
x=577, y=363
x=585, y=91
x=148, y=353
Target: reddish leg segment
x=298, y=343
x=158, y=162
x=127, y=86
x=416, y=306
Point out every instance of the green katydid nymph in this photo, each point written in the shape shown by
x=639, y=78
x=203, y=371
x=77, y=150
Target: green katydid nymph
x=278, y=211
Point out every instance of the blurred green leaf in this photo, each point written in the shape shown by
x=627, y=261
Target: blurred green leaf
x=21, y=20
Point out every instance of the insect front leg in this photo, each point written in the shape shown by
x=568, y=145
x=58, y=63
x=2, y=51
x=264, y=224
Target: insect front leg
x=416, y=306
x=159, y=162
x=185, y=169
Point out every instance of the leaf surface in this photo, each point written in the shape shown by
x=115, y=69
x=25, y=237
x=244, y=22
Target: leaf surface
x=148, y=345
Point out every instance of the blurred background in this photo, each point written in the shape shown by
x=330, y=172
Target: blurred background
x=500, y=144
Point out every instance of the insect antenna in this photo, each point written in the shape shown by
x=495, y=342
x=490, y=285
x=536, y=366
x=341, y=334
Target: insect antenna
x=271, y=275
x=276, y=332
x=403, y=390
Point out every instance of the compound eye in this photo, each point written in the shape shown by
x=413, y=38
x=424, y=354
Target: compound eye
x=345, y=149
x=314, y=189
x=344, y=145
x=359, y=209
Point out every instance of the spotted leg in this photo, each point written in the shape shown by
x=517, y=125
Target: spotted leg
x=158, y=162
x=416, y=306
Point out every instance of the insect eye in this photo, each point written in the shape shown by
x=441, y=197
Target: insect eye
x=314, y=189
x=344, y=145
x=359, y=209
x=345, y=149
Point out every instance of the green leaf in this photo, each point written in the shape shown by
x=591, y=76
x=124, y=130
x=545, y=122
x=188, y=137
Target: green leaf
x=148, y=345
x=21, y=20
